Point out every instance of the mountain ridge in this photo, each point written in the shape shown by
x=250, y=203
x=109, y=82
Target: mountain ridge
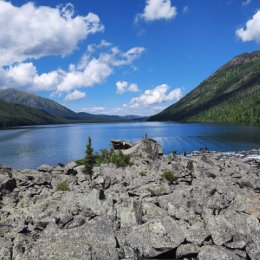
x=21, y=108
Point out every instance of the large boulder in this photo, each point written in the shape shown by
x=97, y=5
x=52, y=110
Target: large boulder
x=156, y=237
x=217, y=253
x=92, y=241
x=145, y=148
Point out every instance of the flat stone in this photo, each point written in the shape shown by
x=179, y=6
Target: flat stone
x=217, y=253
x=187, y=250
x=45, y=168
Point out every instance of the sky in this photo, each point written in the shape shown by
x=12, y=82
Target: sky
x=121, y=57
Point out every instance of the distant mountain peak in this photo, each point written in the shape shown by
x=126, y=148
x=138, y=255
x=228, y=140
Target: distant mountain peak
x=244, y=58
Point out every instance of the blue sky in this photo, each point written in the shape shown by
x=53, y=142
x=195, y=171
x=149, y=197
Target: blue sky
x=121, y=56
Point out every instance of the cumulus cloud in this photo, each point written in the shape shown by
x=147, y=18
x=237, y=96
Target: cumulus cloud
x=75, y=95
x=25, y=74
x=31, y=32
x=93, y=69
x=123, y=86
x=252, y=30
x=158, y=10
x=157, y=95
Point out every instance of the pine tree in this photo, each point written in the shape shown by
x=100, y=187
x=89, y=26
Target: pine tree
x=89, y=159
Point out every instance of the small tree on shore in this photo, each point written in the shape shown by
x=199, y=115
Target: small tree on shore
x=89, y=161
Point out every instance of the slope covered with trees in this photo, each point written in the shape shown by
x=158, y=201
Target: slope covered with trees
x=231, y=94
x=16, y=114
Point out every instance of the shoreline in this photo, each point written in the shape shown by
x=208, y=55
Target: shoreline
x=241, y=153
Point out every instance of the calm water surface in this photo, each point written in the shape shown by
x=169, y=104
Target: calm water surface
x=29, y=147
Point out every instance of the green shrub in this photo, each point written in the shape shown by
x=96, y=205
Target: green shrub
x=169, y=176
x=63, y=186
x=142, y=174
x=120, y=160
x=80, y=162
x=110, y=156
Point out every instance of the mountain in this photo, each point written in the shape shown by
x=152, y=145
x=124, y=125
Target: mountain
x=231, y=94
x=21, y=108
x=16, y=96
x=15, y=114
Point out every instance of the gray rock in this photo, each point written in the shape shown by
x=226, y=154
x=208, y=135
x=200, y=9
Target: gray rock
x=63, y=219
x=131, y=214
x=151, y=211
x=94, y=240
x=236, y=245
x=8, y=185
x=197, y=233
x=212, y=212
x=69, y=168
x=233, y=225
x=5, y=249
x=159, y=189
x=187, y=250
x=217, y=253
x=253, y=250
x=45, y=168
x=156, y=237
x=219, y=228
x=145, y=148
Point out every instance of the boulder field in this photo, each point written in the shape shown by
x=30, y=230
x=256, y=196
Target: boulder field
x=210, y=212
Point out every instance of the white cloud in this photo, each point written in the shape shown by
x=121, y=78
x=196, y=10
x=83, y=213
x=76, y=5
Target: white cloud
x=246, y=2
x=75, y=95
x=95, y=70
x=157, y=95
x=94, y=110
x=92, y=71
x=123, y=86
x=133, y=88
x=31, y=32
x=252, y=30
x=158, y=10
x=25, y=74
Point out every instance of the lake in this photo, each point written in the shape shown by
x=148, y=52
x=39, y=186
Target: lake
x=29, y=147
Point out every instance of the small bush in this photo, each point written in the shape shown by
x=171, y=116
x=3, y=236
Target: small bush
x=63, y=186
x=80, y=162
x=120, y=160
x=110, y=156
x=169, y=176
x=142, y=174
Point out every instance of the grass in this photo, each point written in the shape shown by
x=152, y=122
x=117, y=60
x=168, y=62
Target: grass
x=142, y=174
x=63, y=186
x=169, y=176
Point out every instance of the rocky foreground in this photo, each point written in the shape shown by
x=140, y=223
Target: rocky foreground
x=212, y=211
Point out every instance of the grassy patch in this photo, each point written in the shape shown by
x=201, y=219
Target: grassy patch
x=63, y=186
x=142, y=174
x=169, y=176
